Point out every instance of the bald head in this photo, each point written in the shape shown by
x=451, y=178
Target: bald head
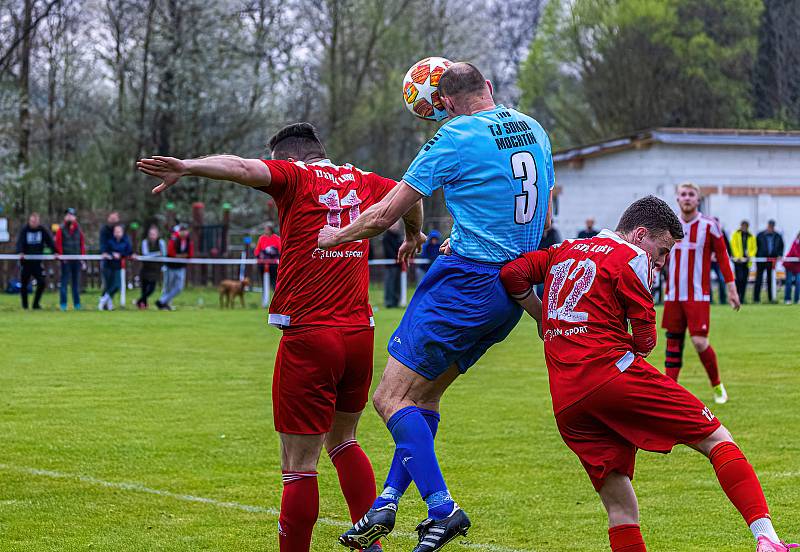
x=464, y=90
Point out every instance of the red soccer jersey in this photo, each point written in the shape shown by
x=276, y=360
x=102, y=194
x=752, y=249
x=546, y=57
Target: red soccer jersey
x=592, y=289
x=331, y=287
x=689, y=268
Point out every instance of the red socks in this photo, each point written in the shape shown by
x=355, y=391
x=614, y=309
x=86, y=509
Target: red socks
x=709, y=360
x=739, y=481
x=674, y=357
x=299, y=511
x=355, y=477
x=626, y=538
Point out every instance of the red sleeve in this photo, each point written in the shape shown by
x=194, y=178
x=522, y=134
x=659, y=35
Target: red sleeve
x=83, y=243
x=284, y=178
x=382, y=186
x=171, y=248
x=521, y=274
x=724, y=261
x=59, y=243
x=644, y=337
x=633, y=291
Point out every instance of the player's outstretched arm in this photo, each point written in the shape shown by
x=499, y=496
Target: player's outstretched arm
x=374, y=220
x=247, y=172
x=415, y=239
x=519, y=276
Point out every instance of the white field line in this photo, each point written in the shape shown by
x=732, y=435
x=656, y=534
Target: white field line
x=139, y=488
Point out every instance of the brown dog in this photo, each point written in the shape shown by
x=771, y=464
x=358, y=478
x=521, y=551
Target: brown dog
x=229, y=289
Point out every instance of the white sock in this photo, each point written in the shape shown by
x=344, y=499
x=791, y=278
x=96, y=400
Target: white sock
x=763, y=526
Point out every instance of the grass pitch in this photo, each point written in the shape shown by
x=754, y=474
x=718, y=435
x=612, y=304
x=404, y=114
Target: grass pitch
x=138, y=431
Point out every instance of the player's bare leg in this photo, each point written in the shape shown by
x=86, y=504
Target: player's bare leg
x=709, y=359
x=401, y=387
x=354, y=469
x=300, y=500
x=740, y=483
x=620, y=503
x=409, y=404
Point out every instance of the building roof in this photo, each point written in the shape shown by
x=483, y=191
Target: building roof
x=692, y=136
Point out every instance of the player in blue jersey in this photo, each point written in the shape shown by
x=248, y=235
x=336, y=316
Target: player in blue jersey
x=495, y=166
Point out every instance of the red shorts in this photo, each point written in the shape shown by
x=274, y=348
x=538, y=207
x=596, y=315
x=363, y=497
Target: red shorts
x=639, y=409
x=679, y=315
x=319, y=370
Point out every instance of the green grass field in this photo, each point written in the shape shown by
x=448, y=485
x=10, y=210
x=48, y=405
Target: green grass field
x=138, y=431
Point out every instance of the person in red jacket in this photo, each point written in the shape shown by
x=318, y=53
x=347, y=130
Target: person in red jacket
x=792, y=273
x=268, y=250
x=70, y=241
x=180, y=246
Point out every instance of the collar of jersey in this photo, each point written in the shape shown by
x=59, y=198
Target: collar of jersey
x=610, y=234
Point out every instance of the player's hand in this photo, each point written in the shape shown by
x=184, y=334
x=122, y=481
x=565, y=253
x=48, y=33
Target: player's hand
x=445, y=248
x=327, y=237
x=168, y=169
x=410, y=247
x=539, y=329
x=733, y=297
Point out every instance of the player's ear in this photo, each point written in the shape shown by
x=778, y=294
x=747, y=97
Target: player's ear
x=490, y=87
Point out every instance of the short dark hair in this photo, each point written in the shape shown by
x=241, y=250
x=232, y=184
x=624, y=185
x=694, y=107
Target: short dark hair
x=298, y=140
x=461, y=78
x=653, y=214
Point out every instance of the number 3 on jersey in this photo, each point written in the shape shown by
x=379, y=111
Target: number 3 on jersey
x=523, y=167
x=561, y=273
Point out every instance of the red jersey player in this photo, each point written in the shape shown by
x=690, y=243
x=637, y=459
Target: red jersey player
x=687, y=302
x=607, y=399
x=323, y=366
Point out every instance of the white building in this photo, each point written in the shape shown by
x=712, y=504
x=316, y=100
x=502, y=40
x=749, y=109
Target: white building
x=744, y=174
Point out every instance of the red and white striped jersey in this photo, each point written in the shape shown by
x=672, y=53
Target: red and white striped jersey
x=689, y=268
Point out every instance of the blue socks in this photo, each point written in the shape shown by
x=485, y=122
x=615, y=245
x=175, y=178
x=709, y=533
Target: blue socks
x=398, y=479
x=413, y=436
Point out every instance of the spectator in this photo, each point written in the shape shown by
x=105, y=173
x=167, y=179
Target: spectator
x=150, y=274
x=392, y=240
x=769, y=244
x=179, y=246
x=723, y=292
x=430, y=251
x=113, y=251
x=590, y=231
x=551, y=236
x=70, y=241
x=792, y=273
x=743, y=248
x=268, y=249
x=106, y=233
x=32, y=240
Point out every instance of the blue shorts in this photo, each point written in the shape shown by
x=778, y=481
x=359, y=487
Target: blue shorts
x=459, y=310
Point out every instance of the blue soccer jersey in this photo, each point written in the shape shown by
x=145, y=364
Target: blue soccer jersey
x=496, y=169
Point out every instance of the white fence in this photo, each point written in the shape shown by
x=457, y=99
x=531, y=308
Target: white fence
x=266, y=283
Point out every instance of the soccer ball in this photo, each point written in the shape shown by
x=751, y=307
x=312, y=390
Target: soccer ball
x=421, y=88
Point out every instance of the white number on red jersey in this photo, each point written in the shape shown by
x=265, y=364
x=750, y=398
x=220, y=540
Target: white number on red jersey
x=561, y=273
x=331, y=200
